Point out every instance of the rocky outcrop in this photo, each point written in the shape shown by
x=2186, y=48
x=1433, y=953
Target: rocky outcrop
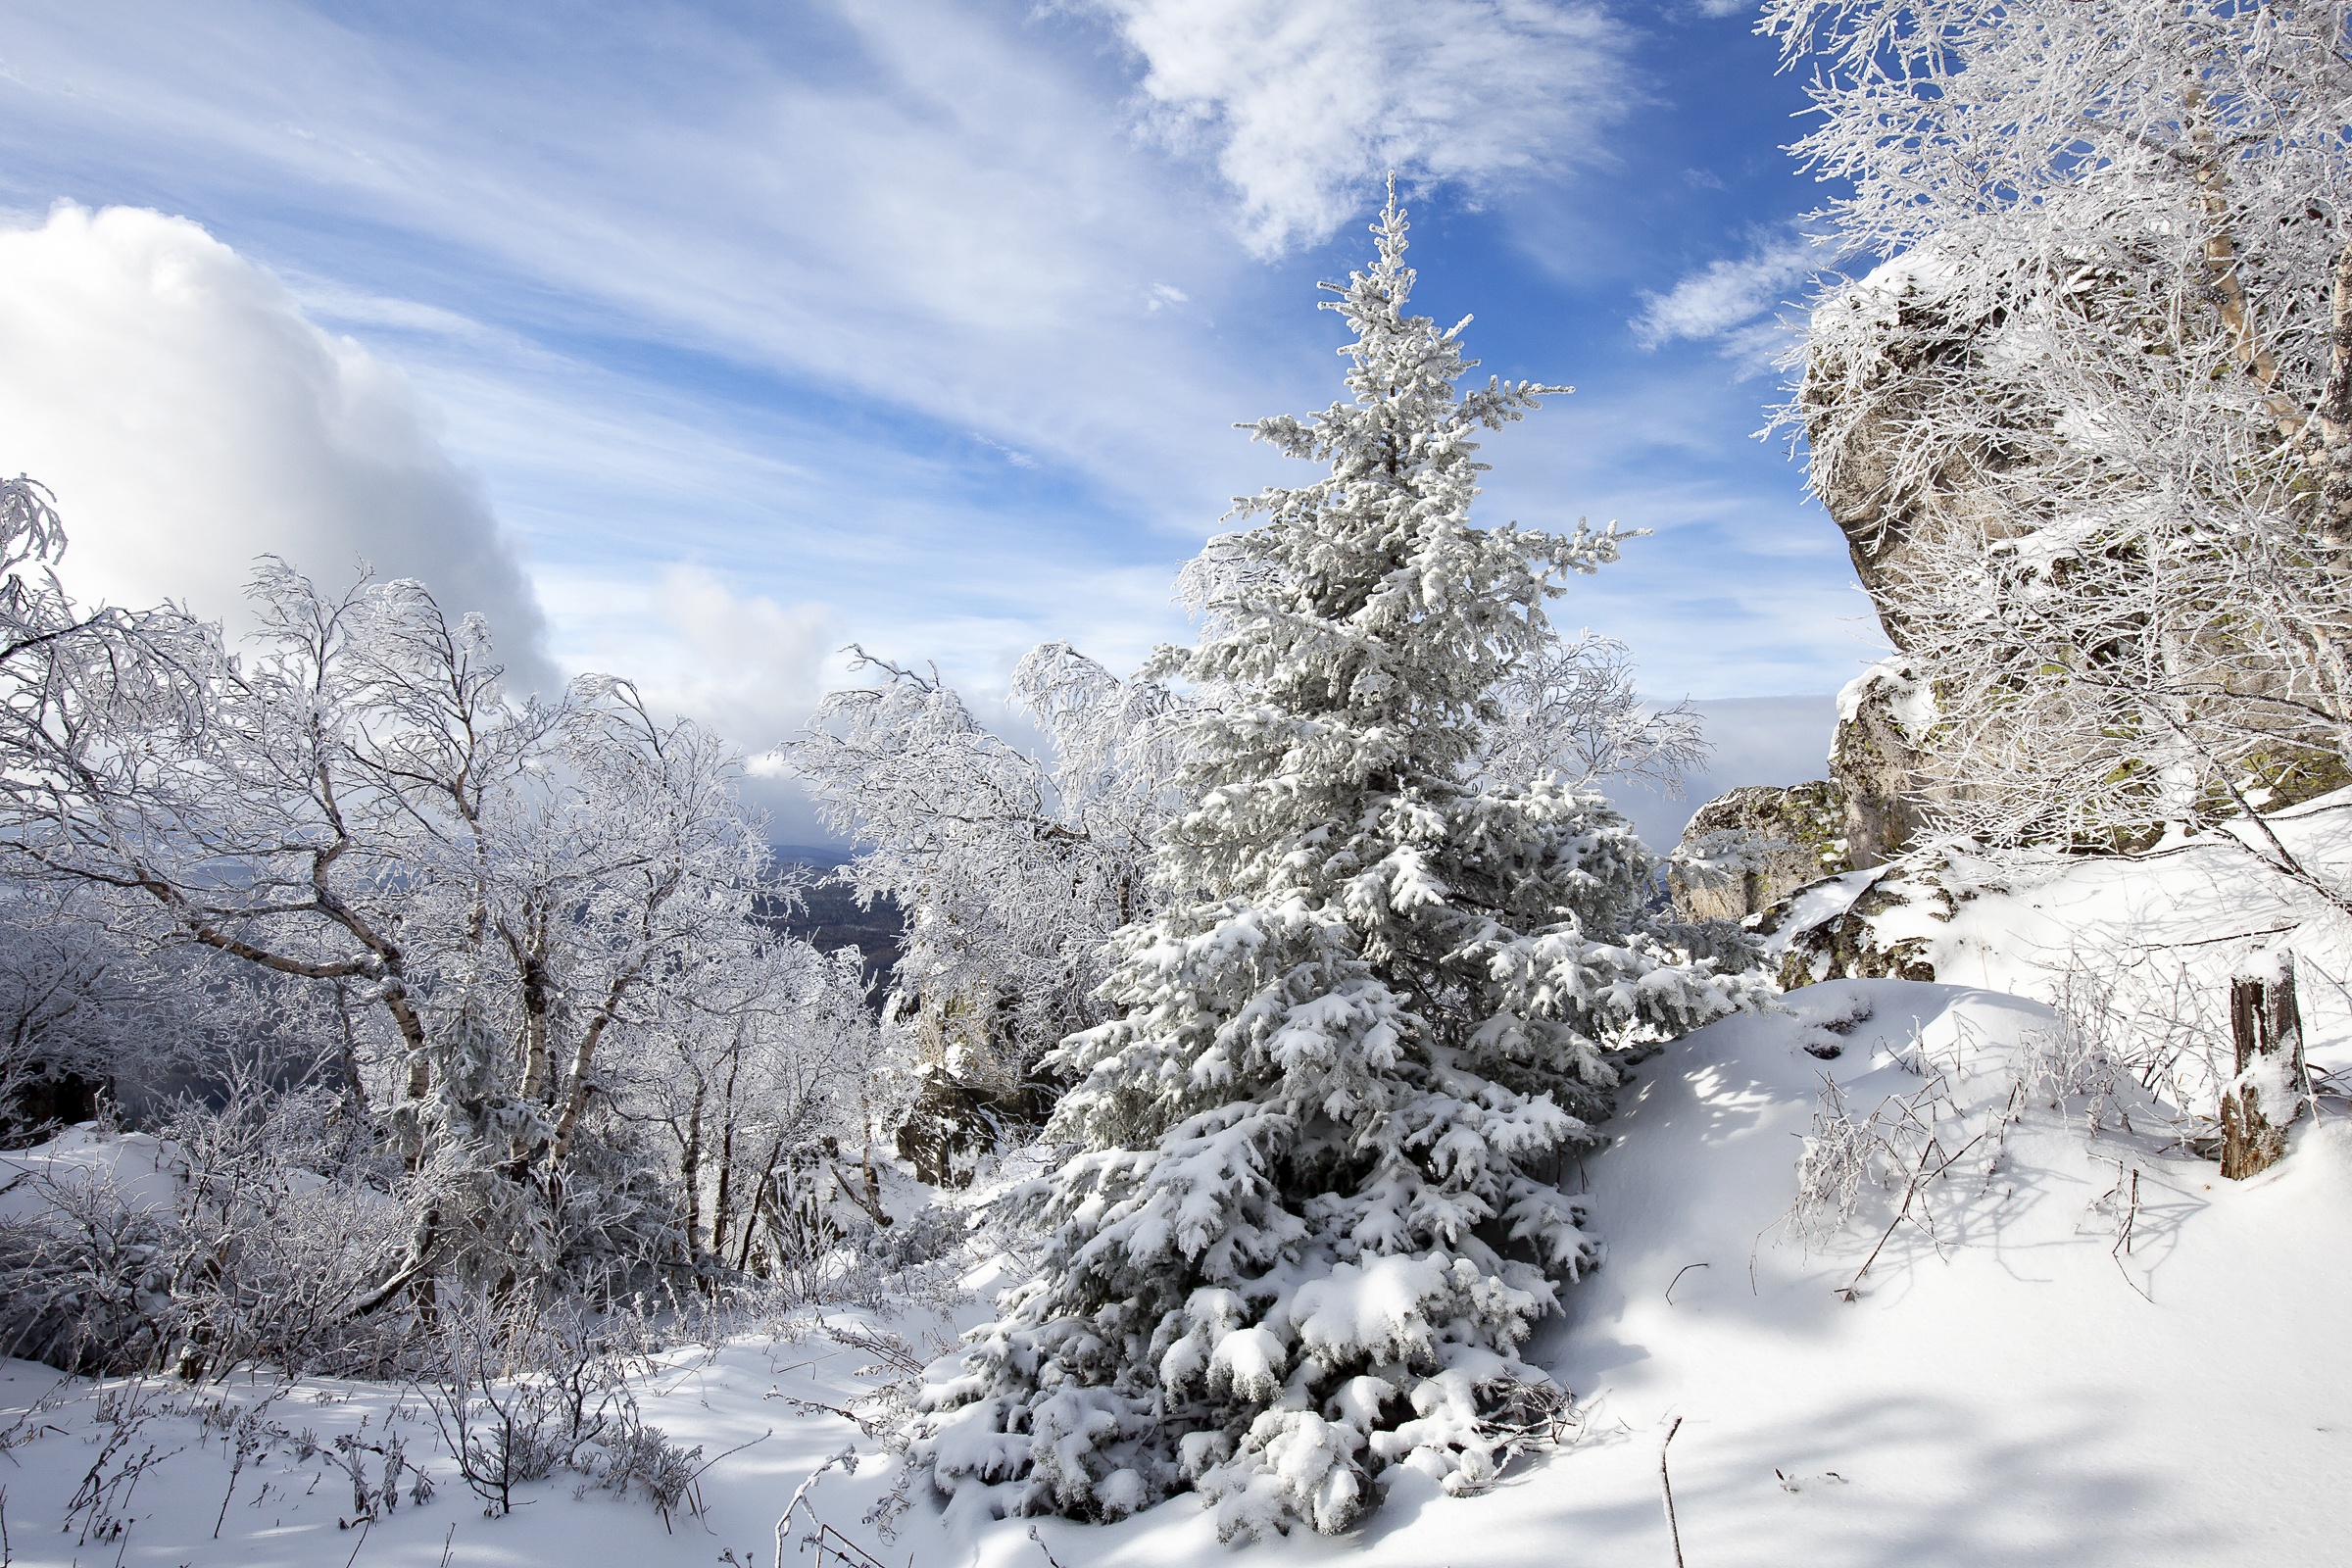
x=1844, y=938
x=1923, y=432
x=1875, y=761
x=1745, y=851
x=1890, y=361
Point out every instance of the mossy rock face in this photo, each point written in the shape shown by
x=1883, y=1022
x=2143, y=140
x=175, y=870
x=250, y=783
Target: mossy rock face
x=1844, y=946
x=1876, y=769
x=1746, y=849
x=2292, y=775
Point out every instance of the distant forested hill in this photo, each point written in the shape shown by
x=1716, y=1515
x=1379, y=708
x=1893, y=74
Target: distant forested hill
x=830, y=915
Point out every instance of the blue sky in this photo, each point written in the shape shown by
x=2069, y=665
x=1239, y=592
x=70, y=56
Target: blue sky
x=696, y=341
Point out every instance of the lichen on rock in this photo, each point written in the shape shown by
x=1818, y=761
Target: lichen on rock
x=1746, y=849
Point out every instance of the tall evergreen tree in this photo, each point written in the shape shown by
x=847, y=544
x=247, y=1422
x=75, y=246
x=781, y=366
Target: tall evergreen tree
x=1315, y=1210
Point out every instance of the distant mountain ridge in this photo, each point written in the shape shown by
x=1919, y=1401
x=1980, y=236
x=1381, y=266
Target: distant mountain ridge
x=830, y=915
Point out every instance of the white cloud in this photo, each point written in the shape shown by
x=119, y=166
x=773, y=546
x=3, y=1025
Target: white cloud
x=1018, y=458
x=189, y=416
x=700, y=647
x=1757, y=740
x=747, y=666
x=905, y=200
x=1725, y=294
x=1306, y=102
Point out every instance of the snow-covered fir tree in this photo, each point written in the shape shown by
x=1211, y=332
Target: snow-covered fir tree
x=1313, y=1208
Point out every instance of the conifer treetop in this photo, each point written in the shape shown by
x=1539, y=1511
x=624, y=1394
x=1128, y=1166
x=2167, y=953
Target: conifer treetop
x=1357, y=634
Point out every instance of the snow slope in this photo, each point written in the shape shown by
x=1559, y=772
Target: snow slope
x=135, y=1166
x=2152, y=938
x=2015, y=1400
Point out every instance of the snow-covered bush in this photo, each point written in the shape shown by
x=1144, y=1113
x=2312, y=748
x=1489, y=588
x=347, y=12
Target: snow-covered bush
x=84, y=1269
x=2058, y=1064
x=217, y=1243
x=1569, y=707
x=517, y=1392
x=1312, y=1211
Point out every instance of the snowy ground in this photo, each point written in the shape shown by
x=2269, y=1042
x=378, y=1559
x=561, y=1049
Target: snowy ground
x=2017, y=1387
x=2035, y=1368
x=2155, y=938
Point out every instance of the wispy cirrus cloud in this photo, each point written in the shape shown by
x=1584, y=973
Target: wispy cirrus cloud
x=1303, y=104
x=786, y=293
x=1723, y=300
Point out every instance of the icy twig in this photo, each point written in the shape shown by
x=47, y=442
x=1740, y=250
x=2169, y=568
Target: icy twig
x=2123, y=1232
x=1050, y=1560
x=846, y=1459
x=1851, y=1288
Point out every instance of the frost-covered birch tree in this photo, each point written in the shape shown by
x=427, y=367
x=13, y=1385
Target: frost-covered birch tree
x=1013, y=868
x=2103, y=382
x=513, y=910
x=1310, y=1208
x=1569, y=707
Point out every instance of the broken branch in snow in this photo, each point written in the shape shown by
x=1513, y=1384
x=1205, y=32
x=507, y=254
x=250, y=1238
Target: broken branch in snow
x=1677, y=1279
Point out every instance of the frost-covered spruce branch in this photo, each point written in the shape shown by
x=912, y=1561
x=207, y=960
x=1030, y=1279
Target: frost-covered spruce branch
x=1311, y=1211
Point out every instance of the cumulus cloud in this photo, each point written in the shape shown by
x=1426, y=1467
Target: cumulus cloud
x=1304, y=103
x=189, y=416
x=750, y=668
x=1725, y=296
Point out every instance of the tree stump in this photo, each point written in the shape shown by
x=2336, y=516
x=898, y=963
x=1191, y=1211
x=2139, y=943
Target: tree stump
x=2266, y=1096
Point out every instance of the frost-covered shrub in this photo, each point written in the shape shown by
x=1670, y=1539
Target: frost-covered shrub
x=210, y=1246
x=1843, y=1155
x=2066, y=1063
x=518, y=1392
x=83, y=1274
x=1309, y=1214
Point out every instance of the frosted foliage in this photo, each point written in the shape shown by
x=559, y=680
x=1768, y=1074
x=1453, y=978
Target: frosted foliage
x=1012, y=870
x=1310, y=1208
x=1569, y=707
x=2110, y=364
x=521, y=938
